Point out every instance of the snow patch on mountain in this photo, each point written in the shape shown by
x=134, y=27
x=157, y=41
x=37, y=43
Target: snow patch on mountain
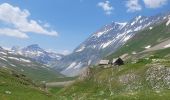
x=24, y=60
x=89, y=62
x=98, y=34
x=13, y=65
x=108, y=28
x=126, y=38
x=165, y=17
x=168, y=22
x=81, y=49
x=79, y=65
x=167, y=46
x=150, y=28
x=136, y=20
x=138, y=28
x=129, y=31
x=106, y=44
x=3, y=59
x=139, y=17
x=122, y=24
x=147, y=47
x=13, y=58
x=3, y=53
x=32, y=53
x=94, y=46
x=119, y=35
x=19, y=59
x=71, y=65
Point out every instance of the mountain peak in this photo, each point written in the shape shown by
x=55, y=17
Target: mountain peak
x=138, y=17
x=34, y=47
x=122, y=24
x=15, y=48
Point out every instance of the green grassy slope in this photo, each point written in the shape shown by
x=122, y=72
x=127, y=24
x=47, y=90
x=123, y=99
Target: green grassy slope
x=14, y=87
x=38, y=73
x=145, y=76
x=158, y=34
x=143, y=80
x=33, y=70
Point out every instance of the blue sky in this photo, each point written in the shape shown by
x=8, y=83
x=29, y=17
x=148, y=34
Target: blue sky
x=61, y=25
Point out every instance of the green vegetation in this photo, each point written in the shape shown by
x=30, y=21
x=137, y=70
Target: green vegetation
x=17, y=86
x=143, y=77
x=158, y=34
x=14, y=86
x=39, y=74
x=33, y=70
x=127, y=82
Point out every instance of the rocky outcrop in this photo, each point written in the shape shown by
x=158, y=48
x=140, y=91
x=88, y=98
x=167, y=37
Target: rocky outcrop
x=158, y=76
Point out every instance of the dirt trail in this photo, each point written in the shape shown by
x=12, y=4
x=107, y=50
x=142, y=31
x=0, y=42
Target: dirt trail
x=59, y=84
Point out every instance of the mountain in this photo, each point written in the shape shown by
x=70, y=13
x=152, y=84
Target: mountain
x=27, y=66
x=38, y=54
x=104, y=42
x=150, y=39
x=145, y=74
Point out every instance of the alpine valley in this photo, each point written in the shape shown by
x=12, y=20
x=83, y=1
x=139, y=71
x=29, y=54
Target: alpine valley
x=145, y=74
x=141, y=73
x=105, y=41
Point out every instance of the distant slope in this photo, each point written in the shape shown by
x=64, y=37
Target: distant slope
x=17, y=87
x=27, y=66
x=145, y=40
x=37, y=54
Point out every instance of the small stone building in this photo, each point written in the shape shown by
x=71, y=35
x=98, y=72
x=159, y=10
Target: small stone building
x=104, y=62
x=117, y=61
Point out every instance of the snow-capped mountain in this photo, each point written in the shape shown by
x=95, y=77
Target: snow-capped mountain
x=26, y=65
x=38, y=54
x=8, y=59
x=105, y=41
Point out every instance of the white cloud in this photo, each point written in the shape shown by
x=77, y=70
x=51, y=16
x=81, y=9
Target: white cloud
x=12, y=33
x=133, y=5
x=106, y=7
x=20, y=23
x=47, y=25
x=154, y=3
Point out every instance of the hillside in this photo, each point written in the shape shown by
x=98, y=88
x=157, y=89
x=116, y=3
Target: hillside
x=107, y=40
x=145, y=79
x=145, y=39
x=145, y=75
x=27, y=66
x=14, y=86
